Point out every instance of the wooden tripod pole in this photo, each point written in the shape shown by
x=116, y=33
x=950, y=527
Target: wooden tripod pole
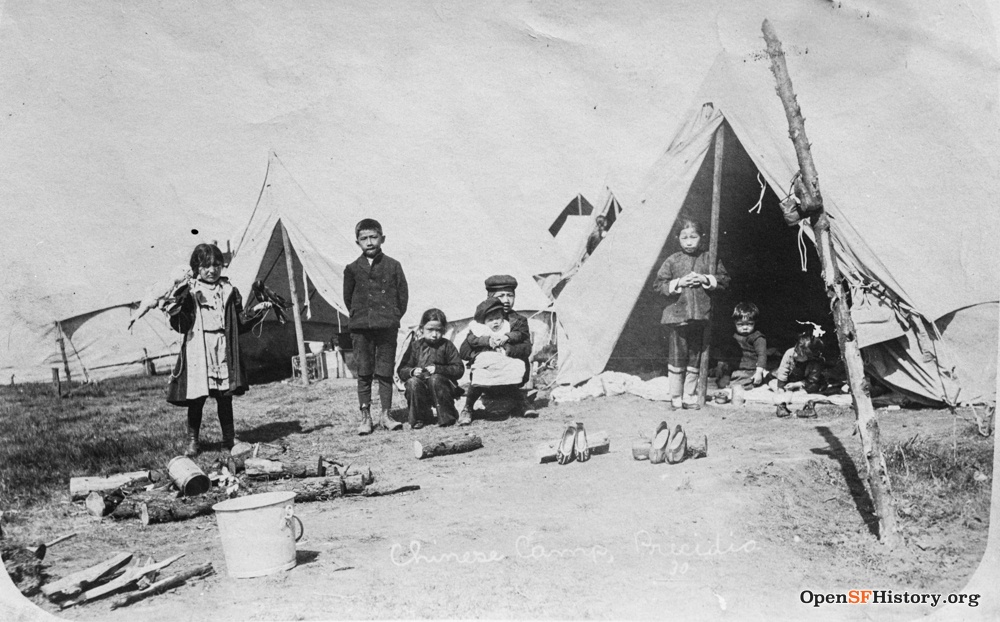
x=296, y=314
x=713, y=256
x=807, y=189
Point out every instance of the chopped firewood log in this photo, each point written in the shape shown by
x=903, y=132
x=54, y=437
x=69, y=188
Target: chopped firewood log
x=261, y=468
x=131, y=576
x=80, y=487
x=598, y=442
x=311, y=488
x=129, y=507
x=444, y=448
x=73, y=584
x=155, y=511
x=163, y=585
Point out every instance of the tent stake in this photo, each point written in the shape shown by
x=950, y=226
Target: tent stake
x=296, y=315
x=807, y=190
x=713, y=256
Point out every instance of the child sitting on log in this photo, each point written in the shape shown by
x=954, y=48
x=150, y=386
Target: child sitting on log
x=431, y=367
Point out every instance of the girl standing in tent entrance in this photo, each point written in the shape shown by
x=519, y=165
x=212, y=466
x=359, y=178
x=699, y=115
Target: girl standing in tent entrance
x=208, y=310
x=686, y=279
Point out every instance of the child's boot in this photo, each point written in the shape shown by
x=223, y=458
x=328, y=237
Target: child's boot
x=782, y=411
x=365, y=427
x=465, y=417
x=192, y=437
x=387, y=422
x=227, y=426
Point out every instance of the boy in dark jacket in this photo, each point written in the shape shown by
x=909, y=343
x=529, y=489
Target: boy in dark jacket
x=516, y=343
x=376, y=295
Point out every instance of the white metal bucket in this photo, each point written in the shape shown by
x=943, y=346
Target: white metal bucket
x=257, y=534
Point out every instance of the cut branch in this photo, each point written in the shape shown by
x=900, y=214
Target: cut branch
x=812, y=204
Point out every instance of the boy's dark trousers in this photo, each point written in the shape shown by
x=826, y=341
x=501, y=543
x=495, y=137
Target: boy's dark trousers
x=374, y=356
x=434, y=390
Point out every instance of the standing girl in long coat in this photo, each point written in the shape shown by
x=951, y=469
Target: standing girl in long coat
x=208, y=310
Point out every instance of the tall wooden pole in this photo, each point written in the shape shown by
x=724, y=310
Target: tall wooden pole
x=61, y=340
x=713, y=255
x=807, y=189
x=296, y=315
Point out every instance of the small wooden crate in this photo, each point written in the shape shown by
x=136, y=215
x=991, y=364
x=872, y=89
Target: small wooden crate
x=315, y=363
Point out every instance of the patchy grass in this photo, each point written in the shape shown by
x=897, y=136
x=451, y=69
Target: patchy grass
x=117, y=425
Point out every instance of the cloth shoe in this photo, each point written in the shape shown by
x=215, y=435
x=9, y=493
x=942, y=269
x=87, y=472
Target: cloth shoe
x=677, y=447
x=808, y=411
x=676, y=402
x=465, y=417
x=658, y=448
x=365, y=427
x=782, y=411
x=690, y=402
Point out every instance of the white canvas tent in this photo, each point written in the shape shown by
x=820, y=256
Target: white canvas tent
x=449, y=277
x=912, y=195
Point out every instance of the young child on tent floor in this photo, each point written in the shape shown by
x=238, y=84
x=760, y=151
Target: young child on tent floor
x=751, y=370
x=802, y=368
x=499, y=329
x=376, y=293
x=208, y=310
x=431, y=368
x=686, y=279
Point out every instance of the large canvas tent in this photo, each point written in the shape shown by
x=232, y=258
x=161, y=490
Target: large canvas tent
x=321, y=239
x=892, y=161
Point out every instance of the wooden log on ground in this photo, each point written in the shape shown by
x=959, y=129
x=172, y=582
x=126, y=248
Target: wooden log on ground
x=271, y=469
x=382, y=491
x=444, y=448
x=80, y=487
x=157, y=511
x=311, y=488
x=131, y=576
x=73, y=584
x=599, y=443
x=161, y=586
x=129, y=506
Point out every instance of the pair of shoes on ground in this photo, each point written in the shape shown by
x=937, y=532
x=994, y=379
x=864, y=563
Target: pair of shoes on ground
x=385, y=422
x=668, y=445
x=573, y=445
x=806, y=412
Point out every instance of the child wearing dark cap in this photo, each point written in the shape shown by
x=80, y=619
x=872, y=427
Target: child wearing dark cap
x=514, y=339
x=376, y=294
x=431, y=367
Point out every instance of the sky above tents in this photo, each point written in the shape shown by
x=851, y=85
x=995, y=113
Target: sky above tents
x=133, y=131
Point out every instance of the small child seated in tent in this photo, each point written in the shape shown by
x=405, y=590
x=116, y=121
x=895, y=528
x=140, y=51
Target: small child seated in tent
x=488, y=354
x=801, y=369
x=752, y=367
x=431, y=367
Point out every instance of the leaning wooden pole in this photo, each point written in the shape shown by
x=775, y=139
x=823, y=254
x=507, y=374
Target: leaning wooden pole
x=807, y=190
x=713, y=255
x=296, y=315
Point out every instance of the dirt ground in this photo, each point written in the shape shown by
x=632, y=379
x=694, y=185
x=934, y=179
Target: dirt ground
x=494, y=534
